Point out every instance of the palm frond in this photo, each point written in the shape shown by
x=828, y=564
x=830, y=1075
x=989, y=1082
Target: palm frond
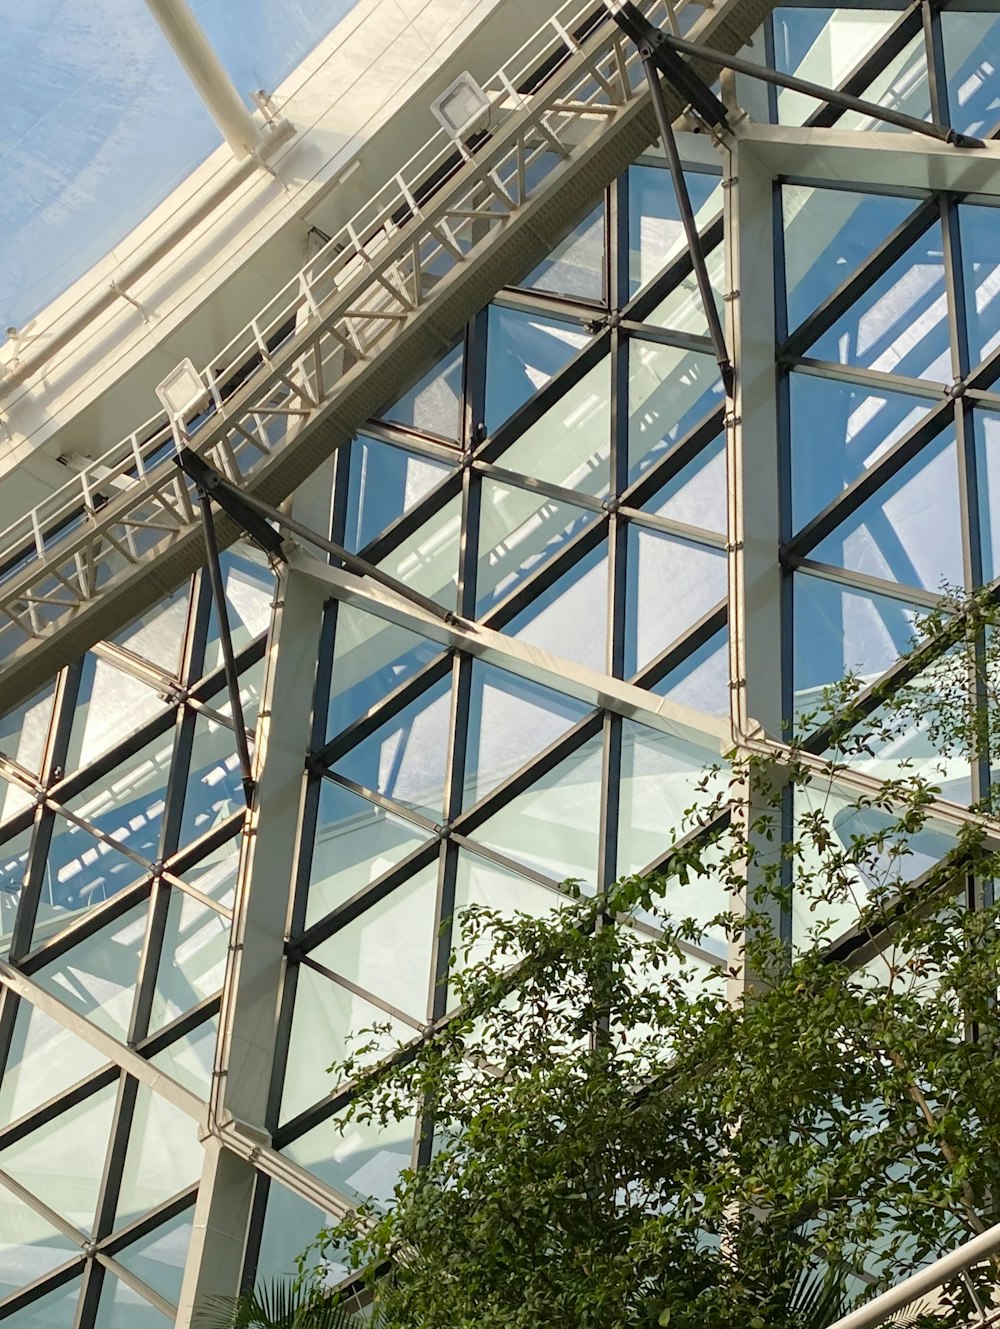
x=278, y=1305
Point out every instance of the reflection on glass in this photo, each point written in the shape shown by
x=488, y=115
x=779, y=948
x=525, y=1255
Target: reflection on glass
x=81, y=872
x=656, y=232
x=404, y=759
x=44, y=1059
x=902, y=85
x=575, y=267
x=97, y=977
x=56, y=1310
x=702, y=681
x=189, y=1059
x=122, y=1308
x=554, y=826
x=510, y=721
x=828, y=233
x=249, y=584
x=371, y=658
x=822, y=46
x=164, y=1156
x=158, y=635
x=214, y=788
x=519, y=530
x=192, y=960
x=986, y=428
x=13, y=864
x=569, y=618
x=523, y=351
x=51, y=1164
x=215, y=875
x=427, y=560
x=356, y=842
x=363, y=1162
x=910, y=531
x=23, y=733
x=290, y=1225
x=110, y=707
x=127, y=804
x=981, y=277
x=696, y=575
x=385, y=481
x=839, y=430
x=670, y=390
x=479, y=882
x=900, y=324
x=696, y=495
x=159, y=1257
x=971, y=45
x=683, y=309
x=433, y=406
x=571, y=444
x=29, y=1246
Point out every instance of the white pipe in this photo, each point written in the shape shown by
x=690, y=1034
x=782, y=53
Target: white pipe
x=205, y=70
x=874, y=1312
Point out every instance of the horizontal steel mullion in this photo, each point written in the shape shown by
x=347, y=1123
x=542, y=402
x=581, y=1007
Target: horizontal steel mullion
x=549, y=304
x=373, y=999
x=683, y=341
x=532, y=484
x=876, y=380
x=667, y=526
x=422, y=442
x=864, y=581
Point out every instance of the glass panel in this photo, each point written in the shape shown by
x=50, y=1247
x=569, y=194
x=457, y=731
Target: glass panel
x=571, y=444
x=519, y=530
x=214, y=789
x=193, y=959
x=97, y=977
x=434, y=405
x=111, y=707
x=63, y=1161
x=900, y=324
x=702, y=681
x=986, y=429
x=13, y=865
x=523, y=351
x=554, y=826
x=427, y=560
x=703, y=897
x=159, y=1258
x=387, y=950
x=249, y=584
x=158, y=636
x=838, y=431
x=971, y=44
x=903, y=86
x=56, y=1310
x=682, y=310
x=363, y=1163
x=356, y=842
x=164, y=1156
x=189, y=1060
x=128, y=803
x=23, y=732
x=215, y=875
x=669, y=392
x=838, y=631
x=510, y=720
x=696, y=575
x=371, y=658
x=405, y=758
x=44, y=1059
x=570, y=617
x=121, y=1308
x=981, y=276
x=575, y=267
x=658, y=784
x=80, y=873
x=385, y=481
x=910, y=531
x=29, y=1246
x=290, y=1225
x=480, y=882
x=696, y=495
x=828, y=233
x=330, y=1017
x=823, y=46
x=656, y=233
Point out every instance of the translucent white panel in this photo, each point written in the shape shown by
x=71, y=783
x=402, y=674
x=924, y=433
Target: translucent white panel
x=13, y=863
x=63, y=1161
x=971, y=44
x=189, y=1060
x=290, y=1225
x=387, y=950
x=510, y=720
x=370, y=659
x=656, y=232
x=683, y=309
x=480, y=882
x=669, y=391
x=554, y=826
x=362, y=1163
x=519, y=530
x=702, y=681
x=385, y=481
x=249, y=584
x=576, y=266
x=427, y=560
x=696, y=576
x=164, y=1156
x=900, y=324
x=434, y=404
x=823, y=46
x=57, y=1310
x=97, y=977
x=910, y=531
x=839, y=430
x=44, y=1059
x=523, y=352
x=405, y=758
x=828, y=233
x=571, y=444
x=696, y=495
x=29, y=1246
x=330, y=1017
x=111, y=706
x=158, y=636
x=981, y=278
x=355, y=843
x=123, y=1308
x=159, y=1258
x=570, y=617
x=193, y=959
x=659, y=776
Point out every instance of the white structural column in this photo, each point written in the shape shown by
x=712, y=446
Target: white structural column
x=205, y=70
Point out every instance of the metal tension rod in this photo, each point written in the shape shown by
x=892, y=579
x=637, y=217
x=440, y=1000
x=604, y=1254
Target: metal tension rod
x=657, y=58
x=255, y=516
